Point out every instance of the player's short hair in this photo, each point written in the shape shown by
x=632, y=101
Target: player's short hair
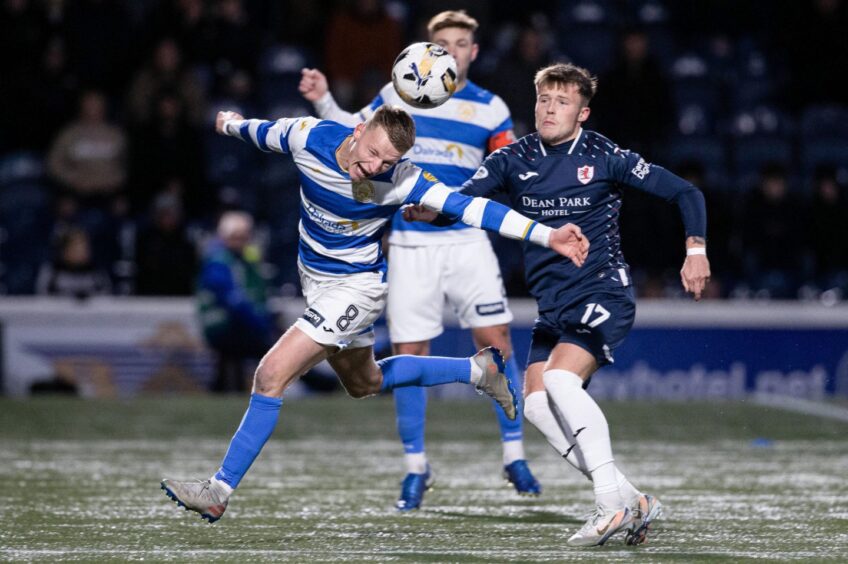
x=562, y=74
x=397, y=124
x=452, y=18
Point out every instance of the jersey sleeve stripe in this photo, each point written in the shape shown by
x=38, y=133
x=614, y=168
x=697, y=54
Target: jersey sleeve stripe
x=494, y=216
x=284, y=139
x=262, y=134
x=528, y=230
x=244, y=130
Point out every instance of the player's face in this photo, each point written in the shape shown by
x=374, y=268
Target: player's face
x=371, y=152
x=559, y=112
x=460, y=44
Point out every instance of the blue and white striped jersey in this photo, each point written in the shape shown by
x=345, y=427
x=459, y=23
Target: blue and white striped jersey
x=450, y=143
x=342, y=222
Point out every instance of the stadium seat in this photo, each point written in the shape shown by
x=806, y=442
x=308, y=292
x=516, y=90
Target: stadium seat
x=590, y=46
x=709, y=151
x=228, y=160
x=824, y=152
x=21, y=167
x=824, y=122
x=26, y=222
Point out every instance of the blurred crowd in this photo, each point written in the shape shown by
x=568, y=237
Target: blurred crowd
x=112, y=180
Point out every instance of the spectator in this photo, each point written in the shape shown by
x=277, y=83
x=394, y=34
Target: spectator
x=513, y=78
x=50, y=102
x=165, y=149
x=635, y=105
x=830, y=231
x=775, y=247
x=88, y=156
x=166, y=261
x=72, y=272
x=362, y=42
x=232, y=302
x=236, y=45
x=165, y=73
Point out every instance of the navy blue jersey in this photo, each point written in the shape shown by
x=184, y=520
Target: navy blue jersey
x=579, y=182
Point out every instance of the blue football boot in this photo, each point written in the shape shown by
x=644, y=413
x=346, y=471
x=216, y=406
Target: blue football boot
x=518, y=474
x=412, y=490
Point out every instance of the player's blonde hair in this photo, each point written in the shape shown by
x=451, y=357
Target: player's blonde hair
x=562, y=74
x=452, y=18
x=397, y=124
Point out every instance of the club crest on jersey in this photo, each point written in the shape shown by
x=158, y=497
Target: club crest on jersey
x=585, y=174
x=363, y=191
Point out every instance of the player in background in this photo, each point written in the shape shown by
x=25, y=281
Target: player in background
x=352, y=182
x=429, y=264
x=563, y=173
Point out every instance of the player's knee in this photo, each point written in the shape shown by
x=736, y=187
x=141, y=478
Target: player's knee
x=266, y=381
x=364, y=386
x=533, y=412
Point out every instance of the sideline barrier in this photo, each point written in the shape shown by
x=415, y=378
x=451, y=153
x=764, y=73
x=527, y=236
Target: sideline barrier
x=677, y=350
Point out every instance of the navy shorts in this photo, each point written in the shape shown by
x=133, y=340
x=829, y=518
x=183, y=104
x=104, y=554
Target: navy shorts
x=597, y=322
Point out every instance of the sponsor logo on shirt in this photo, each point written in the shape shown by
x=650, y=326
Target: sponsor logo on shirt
x=641, y=170
x=313, y=317
x=490, y=309
x=527, y=175
x=328, y=224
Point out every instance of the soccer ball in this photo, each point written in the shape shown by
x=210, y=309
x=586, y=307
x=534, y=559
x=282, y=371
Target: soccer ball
x=424, y=75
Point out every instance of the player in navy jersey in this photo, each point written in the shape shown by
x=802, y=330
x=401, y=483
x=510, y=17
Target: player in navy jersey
x=352, y=182
x=563, y=173
x=430, y=266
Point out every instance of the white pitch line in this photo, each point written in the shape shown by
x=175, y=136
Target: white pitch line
x=806, y=407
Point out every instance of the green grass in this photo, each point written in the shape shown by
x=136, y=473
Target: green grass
x=80, y=482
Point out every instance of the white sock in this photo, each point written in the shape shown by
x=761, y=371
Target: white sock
x=221, y=486
x=415, y=462
x=476, y=371
x=512, y=451
x=538, y=411
x=607, y=494
x=628, y=491
x=590, y=431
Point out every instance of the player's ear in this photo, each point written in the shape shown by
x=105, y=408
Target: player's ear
x=475, y=49
x=584, y=114
x=358, y=131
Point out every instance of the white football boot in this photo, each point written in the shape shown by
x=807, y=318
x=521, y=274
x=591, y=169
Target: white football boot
x=601, y=525
x=201, y=496
x=644, y=511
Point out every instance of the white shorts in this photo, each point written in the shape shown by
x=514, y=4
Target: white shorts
x=341, y=311
x=421, y=279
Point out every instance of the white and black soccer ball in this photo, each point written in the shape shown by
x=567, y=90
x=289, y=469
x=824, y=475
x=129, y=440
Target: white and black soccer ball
x=424, y=75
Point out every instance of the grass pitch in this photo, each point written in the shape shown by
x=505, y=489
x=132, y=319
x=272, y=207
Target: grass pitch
x=80, y=481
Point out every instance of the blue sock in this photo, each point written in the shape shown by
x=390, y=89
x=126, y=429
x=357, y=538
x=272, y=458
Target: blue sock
x=256, y=426
x=511, y=429
x=407, y=370
x=410, y=407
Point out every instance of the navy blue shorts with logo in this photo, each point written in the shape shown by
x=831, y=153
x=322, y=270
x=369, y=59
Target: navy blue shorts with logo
x=597, y=322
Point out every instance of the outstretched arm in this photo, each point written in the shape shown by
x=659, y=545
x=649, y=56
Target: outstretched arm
x=266, y=135
x=483, y=213
x=315, y=88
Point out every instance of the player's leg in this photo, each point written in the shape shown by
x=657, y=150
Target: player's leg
x=483, y=307
x=414, y=315
x=410, y=410
x=292, y=355
x=515, y=468
x=565, y=373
